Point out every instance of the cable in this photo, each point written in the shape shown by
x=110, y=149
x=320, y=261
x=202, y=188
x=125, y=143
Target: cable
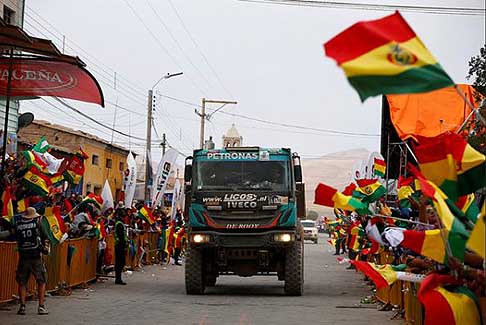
x=177, y=43
x=199, y=49
x=157, y=40
x=376, y=7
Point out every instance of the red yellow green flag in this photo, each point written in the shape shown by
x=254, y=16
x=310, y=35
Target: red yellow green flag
x=23, y=204
x=467, y=204
x=451, y=163
x=477, y=240
x=379, y=167
x=36, y=181
x=94, y=199
x=328, y=196
x=7, y=206
x=146, y=214
x=74, y=170
x=455, y=305
x=54, y=224
x=385, y=56
x=34, y=160
x=454, y=232
x=381, y=275
x=405, y=190
x=369, y=190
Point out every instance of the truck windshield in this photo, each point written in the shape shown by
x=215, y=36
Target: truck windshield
x=244, y=175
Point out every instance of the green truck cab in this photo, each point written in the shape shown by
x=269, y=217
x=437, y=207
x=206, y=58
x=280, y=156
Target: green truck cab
x=243, y=206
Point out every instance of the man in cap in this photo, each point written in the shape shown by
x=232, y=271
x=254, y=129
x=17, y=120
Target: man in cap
x=31, y=242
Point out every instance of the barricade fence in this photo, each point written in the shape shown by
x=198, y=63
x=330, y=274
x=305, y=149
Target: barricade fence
x=74, y=262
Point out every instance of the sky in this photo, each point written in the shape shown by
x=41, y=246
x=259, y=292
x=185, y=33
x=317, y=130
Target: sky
x=268, y=58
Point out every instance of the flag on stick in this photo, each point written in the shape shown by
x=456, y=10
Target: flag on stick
x=379, y=167
x=369, y=190
x=54, y=224
x=328, y=196
x=146, y=214
x=385, y=56
x=36, y=181
x=42, y=146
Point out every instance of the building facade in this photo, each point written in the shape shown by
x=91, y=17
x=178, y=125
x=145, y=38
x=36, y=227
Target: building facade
x=11, y=13
x=106, y=161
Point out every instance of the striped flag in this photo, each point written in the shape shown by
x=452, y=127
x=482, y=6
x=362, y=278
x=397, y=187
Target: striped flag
x=146, y=215
x=328, y=196
x=446, y=301
x=477, y=240
x=379, y=167
x=450, y=162
x=385, y=56
x=94, y=199
x=37, y=181
x=54, y=224
x=369, y=190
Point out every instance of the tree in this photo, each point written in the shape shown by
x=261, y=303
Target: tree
x=476, y=131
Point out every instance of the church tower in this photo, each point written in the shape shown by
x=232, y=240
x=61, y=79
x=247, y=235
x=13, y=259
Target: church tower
x=232, y=138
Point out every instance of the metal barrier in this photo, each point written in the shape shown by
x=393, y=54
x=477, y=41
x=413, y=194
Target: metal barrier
x=61, y=270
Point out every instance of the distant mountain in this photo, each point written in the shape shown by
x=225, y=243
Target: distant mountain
x=332, y=169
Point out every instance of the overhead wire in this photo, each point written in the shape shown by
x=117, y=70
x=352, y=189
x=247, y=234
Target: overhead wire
x=376, y=7
x=196, y=45
x=159, y=43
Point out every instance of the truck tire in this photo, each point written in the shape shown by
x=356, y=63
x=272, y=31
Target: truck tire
x=294, y=270
x=194, y=272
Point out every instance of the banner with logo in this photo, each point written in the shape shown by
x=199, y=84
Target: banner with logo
x=162, y=176
x=34, y=77
x=130, y=180
x=176, y=197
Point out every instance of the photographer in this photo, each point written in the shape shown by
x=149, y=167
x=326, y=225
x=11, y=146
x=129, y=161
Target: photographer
x=32, y=243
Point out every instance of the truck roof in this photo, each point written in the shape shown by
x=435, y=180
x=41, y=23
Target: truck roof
x=271, y=151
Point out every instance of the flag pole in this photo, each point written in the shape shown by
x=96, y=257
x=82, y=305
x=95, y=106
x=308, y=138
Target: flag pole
x=7, y=112
x=473, y=109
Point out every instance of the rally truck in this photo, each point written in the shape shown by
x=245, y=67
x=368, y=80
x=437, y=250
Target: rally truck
x=243, y=206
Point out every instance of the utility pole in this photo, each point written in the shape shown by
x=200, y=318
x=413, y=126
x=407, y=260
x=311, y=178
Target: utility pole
x=205, y=116
x=163, y=144
x=148, y=155
x=148, y=145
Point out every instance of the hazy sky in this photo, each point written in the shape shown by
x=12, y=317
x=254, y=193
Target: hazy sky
x=269, y=58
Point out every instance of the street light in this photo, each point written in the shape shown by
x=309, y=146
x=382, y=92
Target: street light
x=149, y=130
x=205, y=116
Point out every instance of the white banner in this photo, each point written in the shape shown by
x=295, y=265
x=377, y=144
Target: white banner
x=107, y=197
x=130, y=180
x=163, y=170
x=176, y=197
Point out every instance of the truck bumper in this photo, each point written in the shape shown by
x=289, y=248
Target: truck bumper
x=274, y=238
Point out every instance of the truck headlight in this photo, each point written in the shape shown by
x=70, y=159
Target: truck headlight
x=284, y=238
x=200, y=238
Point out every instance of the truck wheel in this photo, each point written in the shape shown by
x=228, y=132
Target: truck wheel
x=194, y=272
x=315, y=241
x=294, y=270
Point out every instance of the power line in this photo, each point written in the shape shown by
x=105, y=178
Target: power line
x=376, y=7
x=199, y=48
x=177, y=43
x=159, y=43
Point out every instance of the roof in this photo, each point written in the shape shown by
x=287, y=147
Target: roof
x=77, y=133
x=232, y=132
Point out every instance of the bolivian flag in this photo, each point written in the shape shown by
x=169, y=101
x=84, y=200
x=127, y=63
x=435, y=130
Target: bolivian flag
x=369, y=190
x=328, y=196
x=7, y=208
x=146, y=215
x=405, y=190
x=94, y=199
x=379, y=167
x=477, y=241
x=54, y=224
x=34, y=160
x=385, y=56
x=455, y=305
x=36, y=181
x=467, y=204
x=381, y=275
x=453, y=234
x=451, y=163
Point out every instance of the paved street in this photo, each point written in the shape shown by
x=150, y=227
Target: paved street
x=156, y=295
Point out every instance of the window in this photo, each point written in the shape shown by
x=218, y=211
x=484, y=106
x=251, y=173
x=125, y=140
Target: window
x=108, y=163
x=8, y=15
x=122, y=166
x=88, y=187
x=95, y=160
